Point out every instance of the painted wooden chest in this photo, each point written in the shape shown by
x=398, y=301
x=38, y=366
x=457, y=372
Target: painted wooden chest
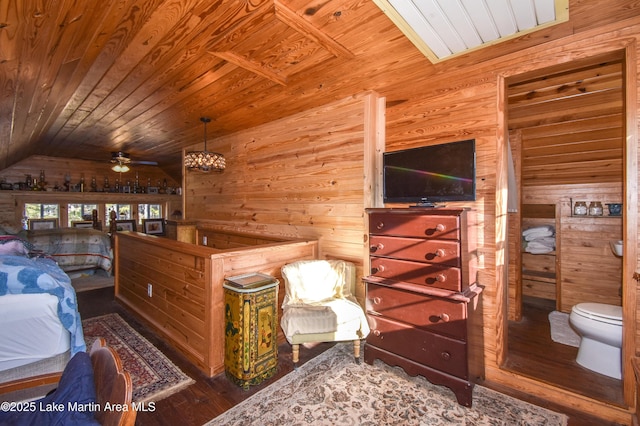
x=251, y=320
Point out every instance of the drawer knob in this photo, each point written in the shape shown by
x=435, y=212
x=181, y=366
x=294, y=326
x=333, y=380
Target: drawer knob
x=440, y=278
x=380, y=225
x=376, y=333
x=446, y=356
x=444, y=317
x=438, y=228
x=437, y=253
x=376, y=247
x=377, y=269
x=376, y=300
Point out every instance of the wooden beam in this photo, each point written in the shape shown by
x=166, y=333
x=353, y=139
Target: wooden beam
x=250, y=66
x=293, y=20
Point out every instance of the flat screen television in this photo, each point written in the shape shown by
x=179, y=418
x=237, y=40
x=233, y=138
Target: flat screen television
x=431, y=174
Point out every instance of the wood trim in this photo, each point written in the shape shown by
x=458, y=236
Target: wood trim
x=630, y=225
x=250, y=66
x=297, y=23
x=30, y=382
x=501, y=225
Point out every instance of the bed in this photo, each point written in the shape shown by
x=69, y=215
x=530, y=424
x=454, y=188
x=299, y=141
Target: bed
x=74, y=249
x=40, y=327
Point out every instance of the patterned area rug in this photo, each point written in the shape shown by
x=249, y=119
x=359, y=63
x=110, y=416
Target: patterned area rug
x=561, y=331
x=153, y=375
x=332, y=389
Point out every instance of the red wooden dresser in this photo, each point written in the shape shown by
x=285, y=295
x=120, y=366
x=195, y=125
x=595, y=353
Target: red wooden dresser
x=422, y=296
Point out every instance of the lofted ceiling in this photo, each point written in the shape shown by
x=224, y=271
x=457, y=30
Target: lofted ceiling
x=82, y=79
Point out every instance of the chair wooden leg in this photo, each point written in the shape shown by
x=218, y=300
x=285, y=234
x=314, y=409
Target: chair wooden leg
x=356, y=350
x=296, y=354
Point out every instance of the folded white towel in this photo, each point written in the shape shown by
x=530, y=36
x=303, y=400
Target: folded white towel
x=544, y=229
x=541, y=250
x=540, y=245
x=538, y=232
x=544, y=241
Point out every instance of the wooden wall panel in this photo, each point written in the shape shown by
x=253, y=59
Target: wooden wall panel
x=572, y=123
x=459, y=104
x=55, y=169
x=300, y=177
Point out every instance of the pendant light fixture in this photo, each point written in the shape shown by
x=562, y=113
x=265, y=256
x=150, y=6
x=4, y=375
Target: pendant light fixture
x=204, y=161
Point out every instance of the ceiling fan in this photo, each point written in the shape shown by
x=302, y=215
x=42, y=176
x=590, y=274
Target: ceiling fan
x=122, y=160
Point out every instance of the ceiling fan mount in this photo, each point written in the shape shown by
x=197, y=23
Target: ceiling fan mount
x=122, y=158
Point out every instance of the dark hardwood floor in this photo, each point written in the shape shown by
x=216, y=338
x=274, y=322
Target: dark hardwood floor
x=209, y=397
x=532, y=353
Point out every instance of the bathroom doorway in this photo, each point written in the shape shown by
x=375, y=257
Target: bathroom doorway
x=566, y=128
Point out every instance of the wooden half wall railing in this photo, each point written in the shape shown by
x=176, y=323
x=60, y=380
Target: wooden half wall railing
x=176, y=287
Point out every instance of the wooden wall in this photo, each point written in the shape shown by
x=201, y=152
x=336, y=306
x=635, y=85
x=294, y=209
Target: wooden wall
x=289, y=179
x=588, y=271
x=571, y=121
x=55, y=169
x=567, y=134
x=471, y=102
x=301, y=177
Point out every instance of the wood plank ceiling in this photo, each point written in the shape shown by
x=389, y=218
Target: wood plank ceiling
x=80, y=79
x=584, y=144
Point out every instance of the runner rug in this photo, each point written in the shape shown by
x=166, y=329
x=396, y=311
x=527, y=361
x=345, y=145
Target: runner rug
x=153, y=375
x=332, y=389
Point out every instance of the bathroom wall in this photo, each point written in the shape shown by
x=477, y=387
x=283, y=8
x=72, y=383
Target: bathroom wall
x=588, y=271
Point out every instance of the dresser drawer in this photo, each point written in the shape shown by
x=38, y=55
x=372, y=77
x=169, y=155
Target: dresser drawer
x=438, y=352
x=421, y=250
x=434, y=314
x=415, y=225
x=424, y=274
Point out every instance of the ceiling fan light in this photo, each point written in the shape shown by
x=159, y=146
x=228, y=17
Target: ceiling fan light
x=204, y=161
x=120, y=168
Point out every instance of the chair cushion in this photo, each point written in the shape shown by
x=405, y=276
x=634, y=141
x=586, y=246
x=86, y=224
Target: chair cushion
x=341, y=316
x=314, y=281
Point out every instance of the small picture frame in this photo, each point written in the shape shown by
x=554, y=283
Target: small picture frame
x=153, y=226
x=82, y=224
x=125, y=225
x=35, y=224
x=152, y=190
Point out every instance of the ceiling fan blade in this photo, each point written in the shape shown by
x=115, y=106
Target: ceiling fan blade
x=145, y=163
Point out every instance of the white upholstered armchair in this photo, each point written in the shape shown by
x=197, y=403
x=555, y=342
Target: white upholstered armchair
x=319, y=304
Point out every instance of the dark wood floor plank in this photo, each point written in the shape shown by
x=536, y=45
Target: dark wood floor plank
x=210, y=397
x=533, y=354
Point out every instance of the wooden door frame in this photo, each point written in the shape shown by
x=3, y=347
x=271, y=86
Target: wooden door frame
x=630, y=219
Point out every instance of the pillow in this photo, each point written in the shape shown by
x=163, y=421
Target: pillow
x=8, y=228
x=313, y=281
x=14, y=246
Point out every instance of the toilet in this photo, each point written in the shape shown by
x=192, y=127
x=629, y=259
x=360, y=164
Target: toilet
x=600, y=328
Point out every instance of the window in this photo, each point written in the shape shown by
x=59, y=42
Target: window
x=77, y=212
x=123, y=212
x=149, y=211
x=41, y=211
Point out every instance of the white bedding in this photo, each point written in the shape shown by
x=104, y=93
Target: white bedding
x=30, y=329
